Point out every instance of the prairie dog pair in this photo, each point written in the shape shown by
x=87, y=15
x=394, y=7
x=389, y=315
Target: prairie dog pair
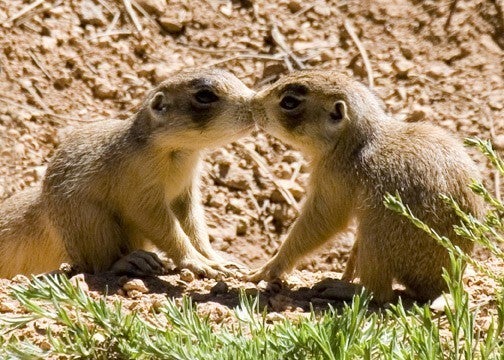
x=118, y=186
x=358, y=154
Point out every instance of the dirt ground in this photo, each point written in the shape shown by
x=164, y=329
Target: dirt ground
x=67, y=62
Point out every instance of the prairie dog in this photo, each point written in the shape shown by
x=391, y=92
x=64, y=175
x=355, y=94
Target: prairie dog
x=358, y=154
x=117, y=186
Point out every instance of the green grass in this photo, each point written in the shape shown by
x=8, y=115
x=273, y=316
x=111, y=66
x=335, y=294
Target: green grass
x=90, y=328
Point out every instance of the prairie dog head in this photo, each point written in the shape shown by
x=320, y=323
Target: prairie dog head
x=198, y=109
x=310, y=109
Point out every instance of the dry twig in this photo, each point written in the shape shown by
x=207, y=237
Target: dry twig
x=453, y=6
x=142, y=11
x=114, y=21
x=280, y=41
x=37, y=62
x=28, y=86
x=350, y=30
x=24, y=11
x=276, y=57
x=132, y=15
x=258, y=159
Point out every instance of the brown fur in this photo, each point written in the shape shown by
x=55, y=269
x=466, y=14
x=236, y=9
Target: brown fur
x=117, y=186
x=356, y=159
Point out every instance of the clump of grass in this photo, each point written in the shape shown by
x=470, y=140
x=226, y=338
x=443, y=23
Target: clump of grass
x=89, y=328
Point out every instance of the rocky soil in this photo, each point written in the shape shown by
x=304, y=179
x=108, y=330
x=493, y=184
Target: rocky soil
x=64, y=63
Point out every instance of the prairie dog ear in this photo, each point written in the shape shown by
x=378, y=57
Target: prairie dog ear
x=339, y=111
x=159, y=103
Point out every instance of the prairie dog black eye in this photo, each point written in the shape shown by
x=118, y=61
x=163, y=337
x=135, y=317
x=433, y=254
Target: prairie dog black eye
x=205, y=96
x=290, y=102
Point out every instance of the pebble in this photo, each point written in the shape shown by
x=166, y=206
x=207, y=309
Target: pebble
x=217, y=200
x=8, y=306
x=322, y=10
x=402, y=67
x=236, y=178
x=91, y=14
x=103, y=90
x=220, y=288
x=438, y=69
x=294, y=5
x=439, y=304
x=242, y=226
x=174, y=23
x=79, y=281
x=186, y=275
x=236, y=205
x=134, y=294
x=498, y=142
x=153, y=7
x=419, y=113
x=274, y=317
x=63, y=82
x=135, y=284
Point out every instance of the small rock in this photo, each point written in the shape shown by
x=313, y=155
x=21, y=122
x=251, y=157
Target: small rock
x=8, y=306
x=441, y=302
x=48, y=43
x=385, y=67
x=171, y=25
x=217, y=200
x=103, y=90
x=135, y=284
x=294, y=5
x=227, y=9
x=322, y=9
x=147, y=70
x=326, y=55
x=419, y=113
x=45, y=345
x=174, y=23
x=438, y=69
x=134, y=294
x=79, y=281
x=498, y=142
x=291, y=157
x=20, y=279
x=282, y=170
x=402, y=67
x=236, y=205
x=407, y=53
x=91, y=14
x=186, y=275
x=220, y=288
x=496, y=100
x=241, y=228
x=63, y=82
x=274, y=317
x=66, y=268
x=273, y=69
x=153, y=7
x=98, y=338
x=236, y=178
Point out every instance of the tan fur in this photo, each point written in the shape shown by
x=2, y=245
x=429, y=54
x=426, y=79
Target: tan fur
x=117, y=186
x=356, y=160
